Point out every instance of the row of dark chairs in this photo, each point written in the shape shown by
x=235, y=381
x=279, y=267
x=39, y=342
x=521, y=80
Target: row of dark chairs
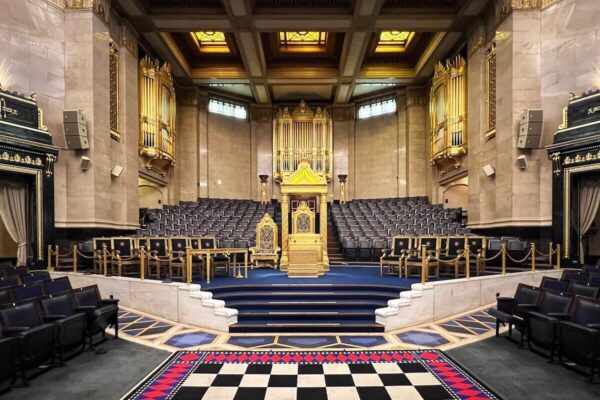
x=561, y=316
x=36, y=332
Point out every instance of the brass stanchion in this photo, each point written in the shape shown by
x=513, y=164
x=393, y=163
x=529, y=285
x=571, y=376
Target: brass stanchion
x=104, y=267
x=142, y=263
x=503, y=250
x=188, y=265
x=56, y=259
x=558, y=256
x=532, y=257
x=424, y=264
x=74, y=258
x=467, y=255
x=49, y=258
x=550, y=253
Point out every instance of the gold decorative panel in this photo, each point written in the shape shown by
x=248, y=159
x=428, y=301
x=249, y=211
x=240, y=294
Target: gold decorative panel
x=114, y=91
x=303, y=134
x=157, y=115
x=448, y=114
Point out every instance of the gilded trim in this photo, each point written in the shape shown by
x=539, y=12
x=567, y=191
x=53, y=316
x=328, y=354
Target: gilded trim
x=567, y=199
x=38, y=200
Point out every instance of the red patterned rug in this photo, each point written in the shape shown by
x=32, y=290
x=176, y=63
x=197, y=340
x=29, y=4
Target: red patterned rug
x=310, y=375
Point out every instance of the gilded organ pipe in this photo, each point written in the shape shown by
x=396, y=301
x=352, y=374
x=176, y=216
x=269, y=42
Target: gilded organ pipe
x=303, y=134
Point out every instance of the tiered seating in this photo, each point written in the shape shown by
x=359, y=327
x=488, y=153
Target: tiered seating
x=232, y=222
x=39, y=325
x=365, y=227
x=561, y=316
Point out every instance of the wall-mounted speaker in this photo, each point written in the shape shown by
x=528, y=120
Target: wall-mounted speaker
x=85, y=163
x=75, y=127
x=489, y=170
x=522, y=162
x=530, y=130
x=116, y=171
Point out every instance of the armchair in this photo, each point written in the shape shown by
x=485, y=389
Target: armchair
x=71, y=324
x=8, y=354
x=542, y=320
x=266, y=248
x=36, y=338
x=125, y=256
x=579, y=338
x=99, y=245
x=428, y=245
x=100, y=312
x=510, y=310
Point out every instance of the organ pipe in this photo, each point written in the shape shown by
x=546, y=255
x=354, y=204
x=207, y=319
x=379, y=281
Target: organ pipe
x=303, y=134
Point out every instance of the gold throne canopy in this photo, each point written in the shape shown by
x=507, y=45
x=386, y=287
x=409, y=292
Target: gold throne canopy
x=266, y=248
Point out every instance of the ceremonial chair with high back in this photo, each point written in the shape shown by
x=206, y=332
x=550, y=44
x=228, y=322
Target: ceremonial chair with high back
x=221, y=260
x=579, y=337
x=98, y=256
x=542, y=320
x=477, y=246
x=158, y=256
x=449, y=258
x=426, y=246
x=178, y=264
x=266, y=248
x=394, y=257
x=125, y=257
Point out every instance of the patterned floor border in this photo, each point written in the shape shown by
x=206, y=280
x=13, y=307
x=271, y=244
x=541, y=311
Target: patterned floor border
x=444, y=334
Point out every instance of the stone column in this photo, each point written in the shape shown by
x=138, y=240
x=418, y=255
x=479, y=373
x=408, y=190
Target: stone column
x=188, y=131
x=416, y=113
x=285, y=209
x=323, y=228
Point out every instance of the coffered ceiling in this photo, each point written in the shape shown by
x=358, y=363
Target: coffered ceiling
x=280, y=50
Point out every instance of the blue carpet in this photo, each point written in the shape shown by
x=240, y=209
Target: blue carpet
x=337, y=275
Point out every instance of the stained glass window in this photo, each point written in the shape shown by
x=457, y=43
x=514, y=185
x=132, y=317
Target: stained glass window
x=302, y=38
x=381, y=107
x=228, y=109
x=211, y=42
x=393, y=41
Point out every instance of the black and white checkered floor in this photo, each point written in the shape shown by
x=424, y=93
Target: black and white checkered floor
x=374, y=381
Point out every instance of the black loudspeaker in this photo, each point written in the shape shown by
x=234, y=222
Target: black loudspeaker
x=530, y=130
x=75, y=130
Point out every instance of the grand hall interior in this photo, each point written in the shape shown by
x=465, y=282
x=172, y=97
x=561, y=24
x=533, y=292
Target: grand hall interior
x=300, y=199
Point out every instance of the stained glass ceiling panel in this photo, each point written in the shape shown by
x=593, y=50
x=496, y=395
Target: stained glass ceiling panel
x=302, y=38
x=393, y=41
x=211, y=42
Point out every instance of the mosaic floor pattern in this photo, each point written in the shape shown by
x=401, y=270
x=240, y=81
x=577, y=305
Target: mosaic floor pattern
x=444, y=334
x=314, y=375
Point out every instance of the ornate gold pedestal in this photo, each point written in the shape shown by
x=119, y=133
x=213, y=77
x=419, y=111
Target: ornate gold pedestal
x=305, y=255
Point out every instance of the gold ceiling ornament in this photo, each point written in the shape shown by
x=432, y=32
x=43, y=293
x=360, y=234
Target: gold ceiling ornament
x=393, y=41
x=448, y=114
x=304, y=134
x=157, y=115
x=211, y=41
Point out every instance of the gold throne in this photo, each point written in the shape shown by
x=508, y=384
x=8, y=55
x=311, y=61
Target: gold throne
x=305, y=253
x=266, y=248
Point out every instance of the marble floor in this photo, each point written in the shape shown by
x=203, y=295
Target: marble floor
x=444, y=334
